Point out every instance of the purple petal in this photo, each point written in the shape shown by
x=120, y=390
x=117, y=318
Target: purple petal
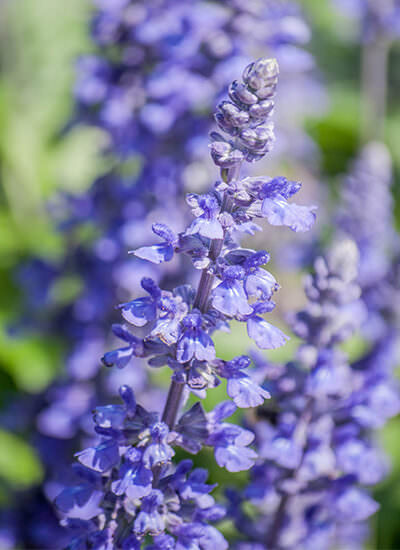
x=265, y=335
x=355, y=505
x=223, y=410
x=156, y=254
x=185, y=349
x=279, y=212
x=136, y=483
x=118, y=357
x=211, y=229
x=100, y=458
x=204, y=348
x=80, y=502
x=201, y=347
x=139, y=312
x=235, y=459
x=261, y=283
x=157, y=453
x=246, y=393
x=164, y=232
x=230, y=299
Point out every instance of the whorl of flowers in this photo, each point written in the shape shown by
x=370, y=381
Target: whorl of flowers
x=128, y=488
x=314, y=435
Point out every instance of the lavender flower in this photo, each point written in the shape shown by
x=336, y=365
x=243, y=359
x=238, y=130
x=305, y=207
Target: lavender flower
x=140, y=495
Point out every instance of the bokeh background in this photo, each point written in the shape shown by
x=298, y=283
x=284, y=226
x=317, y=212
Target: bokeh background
x=39, y=42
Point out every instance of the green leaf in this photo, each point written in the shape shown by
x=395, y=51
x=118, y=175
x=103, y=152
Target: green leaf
x=32, y=362
x=19, y=464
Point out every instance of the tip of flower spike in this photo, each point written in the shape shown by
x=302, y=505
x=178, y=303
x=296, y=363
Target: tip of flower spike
x=261, y=73
x=246, y=116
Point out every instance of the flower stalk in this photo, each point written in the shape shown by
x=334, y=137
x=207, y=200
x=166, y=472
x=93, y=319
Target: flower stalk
x=135, y=477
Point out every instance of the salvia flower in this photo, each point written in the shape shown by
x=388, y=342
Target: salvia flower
x=140, y=496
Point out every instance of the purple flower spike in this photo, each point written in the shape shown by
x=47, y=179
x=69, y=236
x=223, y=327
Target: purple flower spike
x=314, y=435
x=144, y=493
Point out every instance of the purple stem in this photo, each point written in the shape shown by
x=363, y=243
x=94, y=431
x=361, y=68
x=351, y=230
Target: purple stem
x=204, y=288
x=172, y=404
x=207, y=278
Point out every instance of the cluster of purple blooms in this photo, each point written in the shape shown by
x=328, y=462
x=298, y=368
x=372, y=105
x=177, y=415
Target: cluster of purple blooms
x=128, y=488
x=314, y=436
x=155, y=73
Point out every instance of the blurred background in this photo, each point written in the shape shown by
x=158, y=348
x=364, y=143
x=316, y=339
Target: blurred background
x=39, y=43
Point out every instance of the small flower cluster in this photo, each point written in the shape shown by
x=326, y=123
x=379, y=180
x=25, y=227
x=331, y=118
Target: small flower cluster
x=314, y=435
x=125, y=469
x=128, y=490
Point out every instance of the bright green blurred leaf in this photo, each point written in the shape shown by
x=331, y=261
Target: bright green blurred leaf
x=32, y=362
x=19, y=464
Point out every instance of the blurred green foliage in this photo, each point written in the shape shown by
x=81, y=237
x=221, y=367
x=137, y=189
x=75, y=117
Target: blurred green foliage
x=39, y=41
x=19, y=465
